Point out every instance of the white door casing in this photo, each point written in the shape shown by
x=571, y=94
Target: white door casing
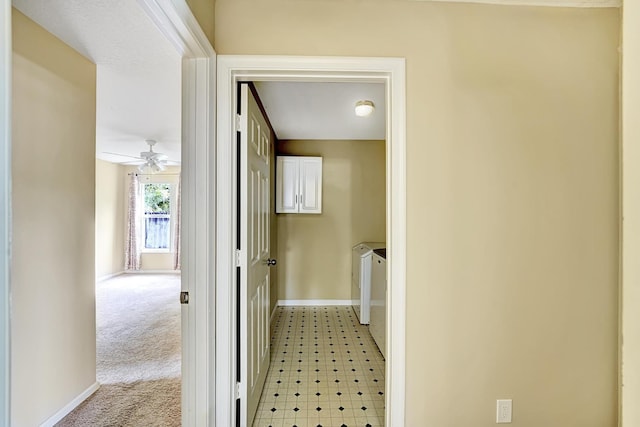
x=629, y=337
x=255, y=209
x=175, y=20
x=237, y=68
x=5, y=208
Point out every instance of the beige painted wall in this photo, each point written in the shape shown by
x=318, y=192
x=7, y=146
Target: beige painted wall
x=315, y=250
x=112, y=183
x=151, y=261
x=110, y=206
x=53, y=264
x=630, y=366
x=512, y=195
x=204, y=11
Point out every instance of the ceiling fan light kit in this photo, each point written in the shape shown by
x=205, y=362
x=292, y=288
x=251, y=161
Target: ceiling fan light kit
x=151, y=167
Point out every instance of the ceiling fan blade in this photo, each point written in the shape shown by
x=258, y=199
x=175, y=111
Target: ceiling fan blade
x=122, y=155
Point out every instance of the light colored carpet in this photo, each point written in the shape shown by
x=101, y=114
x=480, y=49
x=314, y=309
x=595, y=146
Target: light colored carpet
x=138, y=354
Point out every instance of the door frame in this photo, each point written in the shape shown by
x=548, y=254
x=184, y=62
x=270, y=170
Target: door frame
x=5, y=210
x=236, y=68
x=177, y=23
x=629, y=306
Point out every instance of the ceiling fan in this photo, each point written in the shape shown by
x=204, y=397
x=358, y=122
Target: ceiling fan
x=156, y=162
x=148, y=160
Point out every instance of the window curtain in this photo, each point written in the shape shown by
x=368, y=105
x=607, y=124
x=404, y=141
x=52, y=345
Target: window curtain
x=132, y=252
x=177, y=241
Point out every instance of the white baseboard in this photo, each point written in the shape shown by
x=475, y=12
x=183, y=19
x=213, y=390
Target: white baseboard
x=71, y=406
x=313, y=302
x=108, y=276
x=152, y=272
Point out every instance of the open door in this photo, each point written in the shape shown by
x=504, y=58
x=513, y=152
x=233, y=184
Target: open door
x=254, y=244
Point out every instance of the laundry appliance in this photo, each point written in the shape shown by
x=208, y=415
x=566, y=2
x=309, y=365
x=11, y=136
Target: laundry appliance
x=362, y=255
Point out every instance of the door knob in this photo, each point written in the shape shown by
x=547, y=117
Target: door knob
x=271, y=262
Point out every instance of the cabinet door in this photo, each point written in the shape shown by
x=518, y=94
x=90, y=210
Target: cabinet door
x=287, y=188
x=311, y=185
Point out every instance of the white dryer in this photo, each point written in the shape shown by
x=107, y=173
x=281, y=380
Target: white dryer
x=361, y=262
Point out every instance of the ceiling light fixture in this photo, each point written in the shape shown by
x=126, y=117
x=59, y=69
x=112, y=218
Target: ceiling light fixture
x=151, y=166
x=364, y=108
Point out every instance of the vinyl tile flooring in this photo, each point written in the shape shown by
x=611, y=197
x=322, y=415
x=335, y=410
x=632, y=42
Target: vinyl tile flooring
x=326, y=371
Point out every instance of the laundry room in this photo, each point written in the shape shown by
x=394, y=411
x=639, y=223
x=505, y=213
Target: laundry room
x=313, y=244
x=314, y=250
x=327, y=167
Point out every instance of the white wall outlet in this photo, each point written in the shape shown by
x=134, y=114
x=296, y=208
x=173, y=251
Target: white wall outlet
x=503, y=411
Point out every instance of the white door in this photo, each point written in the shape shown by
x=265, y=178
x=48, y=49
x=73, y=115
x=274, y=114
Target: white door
x=254, y=246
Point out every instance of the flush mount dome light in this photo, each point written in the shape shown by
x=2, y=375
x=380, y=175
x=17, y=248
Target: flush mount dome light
x=364, y=108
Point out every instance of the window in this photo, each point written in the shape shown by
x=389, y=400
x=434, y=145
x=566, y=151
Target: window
x=157, y=216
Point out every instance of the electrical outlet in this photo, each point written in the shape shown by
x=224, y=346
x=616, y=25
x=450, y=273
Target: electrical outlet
x=503, y=411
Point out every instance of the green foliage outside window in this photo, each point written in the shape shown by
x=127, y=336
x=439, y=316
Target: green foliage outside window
x=157, y=198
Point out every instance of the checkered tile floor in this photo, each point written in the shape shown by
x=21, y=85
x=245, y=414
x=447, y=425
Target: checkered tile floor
x=326, y=371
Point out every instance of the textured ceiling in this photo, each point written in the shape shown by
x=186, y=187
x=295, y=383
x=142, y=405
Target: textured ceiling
x=138, y=71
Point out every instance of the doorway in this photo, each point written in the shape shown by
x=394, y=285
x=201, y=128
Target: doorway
x=327, y=196
x=137, y=312
x=235, y=69
x=181, y=28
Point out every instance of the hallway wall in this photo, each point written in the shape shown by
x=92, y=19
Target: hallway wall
x=204, y=11
x=53, y=331
x=512, y=195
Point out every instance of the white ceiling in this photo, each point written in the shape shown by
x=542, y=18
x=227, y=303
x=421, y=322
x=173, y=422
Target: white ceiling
x=138, y=71
x=300, y=110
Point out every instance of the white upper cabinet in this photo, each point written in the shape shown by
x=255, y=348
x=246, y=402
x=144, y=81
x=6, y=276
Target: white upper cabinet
x=299, y=184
